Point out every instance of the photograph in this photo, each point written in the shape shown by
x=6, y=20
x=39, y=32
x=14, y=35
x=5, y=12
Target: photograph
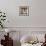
x=24, y=11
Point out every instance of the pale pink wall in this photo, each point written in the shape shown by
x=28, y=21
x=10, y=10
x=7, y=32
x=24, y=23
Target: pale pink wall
x=37, y=13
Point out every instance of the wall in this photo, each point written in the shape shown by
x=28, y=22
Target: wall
x=11, y=7
x=37, y=14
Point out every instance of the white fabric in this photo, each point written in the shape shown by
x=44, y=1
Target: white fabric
x=1, y=45
x=33, y=37
x=27, y=44
x=28, y=39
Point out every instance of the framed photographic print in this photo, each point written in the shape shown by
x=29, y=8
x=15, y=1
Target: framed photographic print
x=24, y=11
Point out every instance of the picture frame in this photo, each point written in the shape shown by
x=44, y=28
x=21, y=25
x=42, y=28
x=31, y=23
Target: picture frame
x=24, y=11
